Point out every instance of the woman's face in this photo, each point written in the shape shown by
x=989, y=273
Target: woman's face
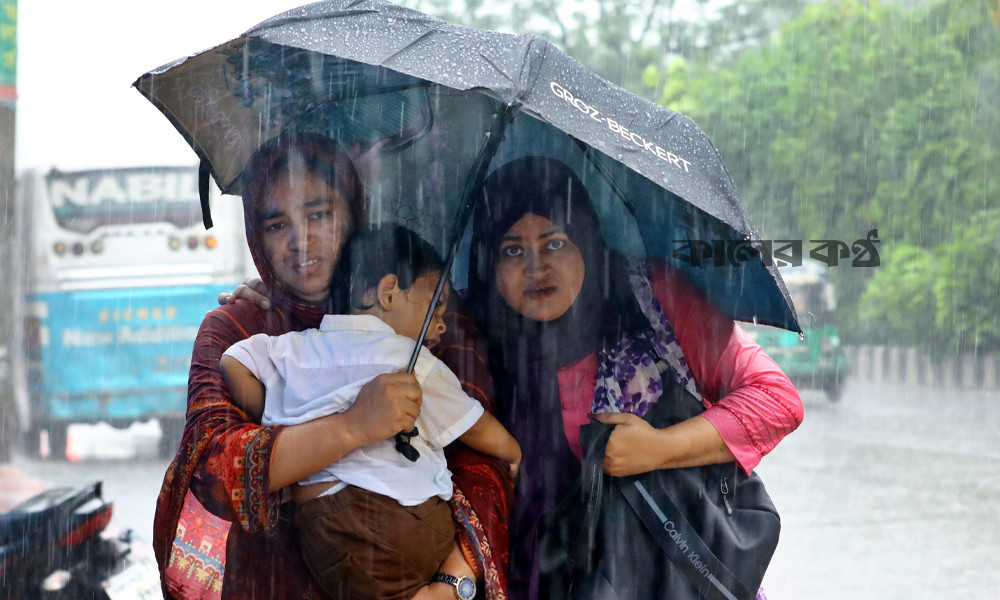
x=539, y=270
x=304, y=223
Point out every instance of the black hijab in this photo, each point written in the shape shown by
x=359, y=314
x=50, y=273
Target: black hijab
x=548, y=188
x=525, y=354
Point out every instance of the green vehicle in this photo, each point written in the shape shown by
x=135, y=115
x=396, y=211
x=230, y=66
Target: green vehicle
x=816, y=359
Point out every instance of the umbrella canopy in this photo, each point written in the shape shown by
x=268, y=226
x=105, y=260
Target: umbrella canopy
x=424, y=95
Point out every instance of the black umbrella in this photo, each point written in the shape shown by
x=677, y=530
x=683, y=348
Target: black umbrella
x=440, y=104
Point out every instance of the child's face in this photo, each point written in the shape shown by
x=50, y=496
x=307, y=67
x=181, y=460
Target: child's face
x=413, y=309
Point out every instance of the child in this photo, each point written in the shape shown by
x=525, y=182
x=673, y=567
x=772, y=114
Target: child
x=373, y=524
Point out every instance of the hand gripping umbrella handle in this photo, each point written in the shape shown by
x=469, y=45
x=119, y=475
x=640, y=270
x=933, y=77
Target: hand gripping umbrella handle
x=470, y=197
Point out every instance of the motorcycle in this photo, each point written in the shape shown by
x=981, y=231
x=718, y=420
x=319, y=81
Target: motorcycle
x=54, y=546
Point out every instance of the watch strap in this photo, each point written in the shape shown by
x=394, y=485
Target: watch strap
x=445, y=578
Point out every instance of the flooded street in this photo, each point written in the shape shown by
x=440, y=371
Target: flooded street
x=890, y=494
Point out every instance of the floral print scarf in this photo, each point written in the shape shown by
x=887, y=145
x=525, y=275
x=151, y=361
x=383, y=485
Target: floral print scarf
x=629, y=371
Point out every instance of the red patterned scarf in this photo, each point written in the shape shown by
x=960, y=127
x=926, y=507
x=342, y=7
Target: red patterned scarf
x=219, y=478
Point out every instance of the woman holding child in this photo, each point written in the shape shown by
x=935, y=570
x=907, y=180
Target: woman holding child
x=374, y=525
x=302, y=200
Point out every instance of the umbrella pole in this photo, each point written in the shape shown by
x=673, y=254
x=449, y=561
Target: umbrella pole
x=588, y=153
x=470, y=197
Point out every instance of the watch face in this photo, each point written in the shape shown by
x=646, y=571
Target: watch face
x=466, y=588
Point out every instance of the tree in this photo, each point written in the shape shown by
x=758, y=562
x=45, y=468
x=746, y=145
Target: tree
x=859, y=116
x=968, y=289
x=900, y=303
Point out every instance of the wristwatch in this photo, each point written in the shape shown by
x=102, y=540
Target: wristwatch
x=465, y=588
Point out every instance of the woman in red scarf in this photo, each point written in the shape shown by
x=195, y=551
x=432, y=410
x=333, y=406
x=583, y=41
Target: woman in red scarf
x=302, y=199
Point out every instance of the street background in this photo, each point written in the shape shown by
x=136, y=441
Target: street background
x=890, y=494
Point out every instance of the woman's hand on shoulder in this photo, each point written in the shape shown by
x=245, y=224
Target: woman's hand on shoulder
x=252, y=290
x=629, y=448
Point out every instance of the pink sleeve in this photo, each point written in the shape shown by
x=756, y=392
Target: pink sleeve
x=576, y=393
x=749, y=400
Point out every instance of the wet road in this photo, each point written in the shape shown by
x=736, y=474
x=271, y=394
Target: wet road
x=132, y=484
x=891, y=494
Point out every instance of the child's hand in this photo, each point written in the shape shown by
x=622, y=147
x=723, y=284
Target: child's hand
x=386, y=405
x=514, y=468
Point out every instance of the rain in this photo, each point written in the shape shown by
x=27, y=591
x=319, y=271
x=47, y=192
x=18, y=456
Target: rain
x=820, y=171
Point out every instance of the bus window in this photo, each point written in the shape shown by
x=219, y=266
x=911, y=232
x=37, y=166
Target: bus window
x=813, y=302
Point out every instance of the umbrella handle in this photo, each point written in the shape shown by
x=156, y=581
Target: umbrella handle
x=470, y=197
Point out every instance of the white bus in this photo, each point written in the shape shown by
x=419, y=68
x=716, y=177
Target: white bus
x=120, y=272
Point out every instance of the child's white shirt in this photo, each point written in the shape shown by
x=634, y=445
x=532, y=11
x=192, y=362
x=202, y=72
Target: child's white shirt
x=313, y=373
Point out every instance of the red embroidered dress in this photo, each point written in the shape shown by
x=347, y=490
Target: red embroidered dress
x=223, y=463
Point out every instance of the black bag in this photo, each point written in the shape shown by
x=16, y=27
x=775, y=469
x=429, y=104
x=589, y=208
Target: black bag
x=678, y=534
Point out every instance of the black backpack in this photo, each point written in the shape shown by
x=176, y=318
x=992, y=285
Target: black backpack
x=678, y=534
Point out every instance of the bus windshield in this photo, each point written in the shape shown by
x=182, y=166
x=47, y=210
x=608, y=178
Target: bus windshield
x=810, y=302
x=811, y=292
x=84, y=201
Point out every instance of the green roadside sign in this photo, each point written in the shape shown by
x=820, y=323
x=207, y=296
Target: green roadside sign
x=8, y=49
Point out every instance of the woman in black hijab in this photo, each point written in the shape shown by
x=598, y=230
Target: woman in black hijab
x=574, y=328
x=570, y=307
